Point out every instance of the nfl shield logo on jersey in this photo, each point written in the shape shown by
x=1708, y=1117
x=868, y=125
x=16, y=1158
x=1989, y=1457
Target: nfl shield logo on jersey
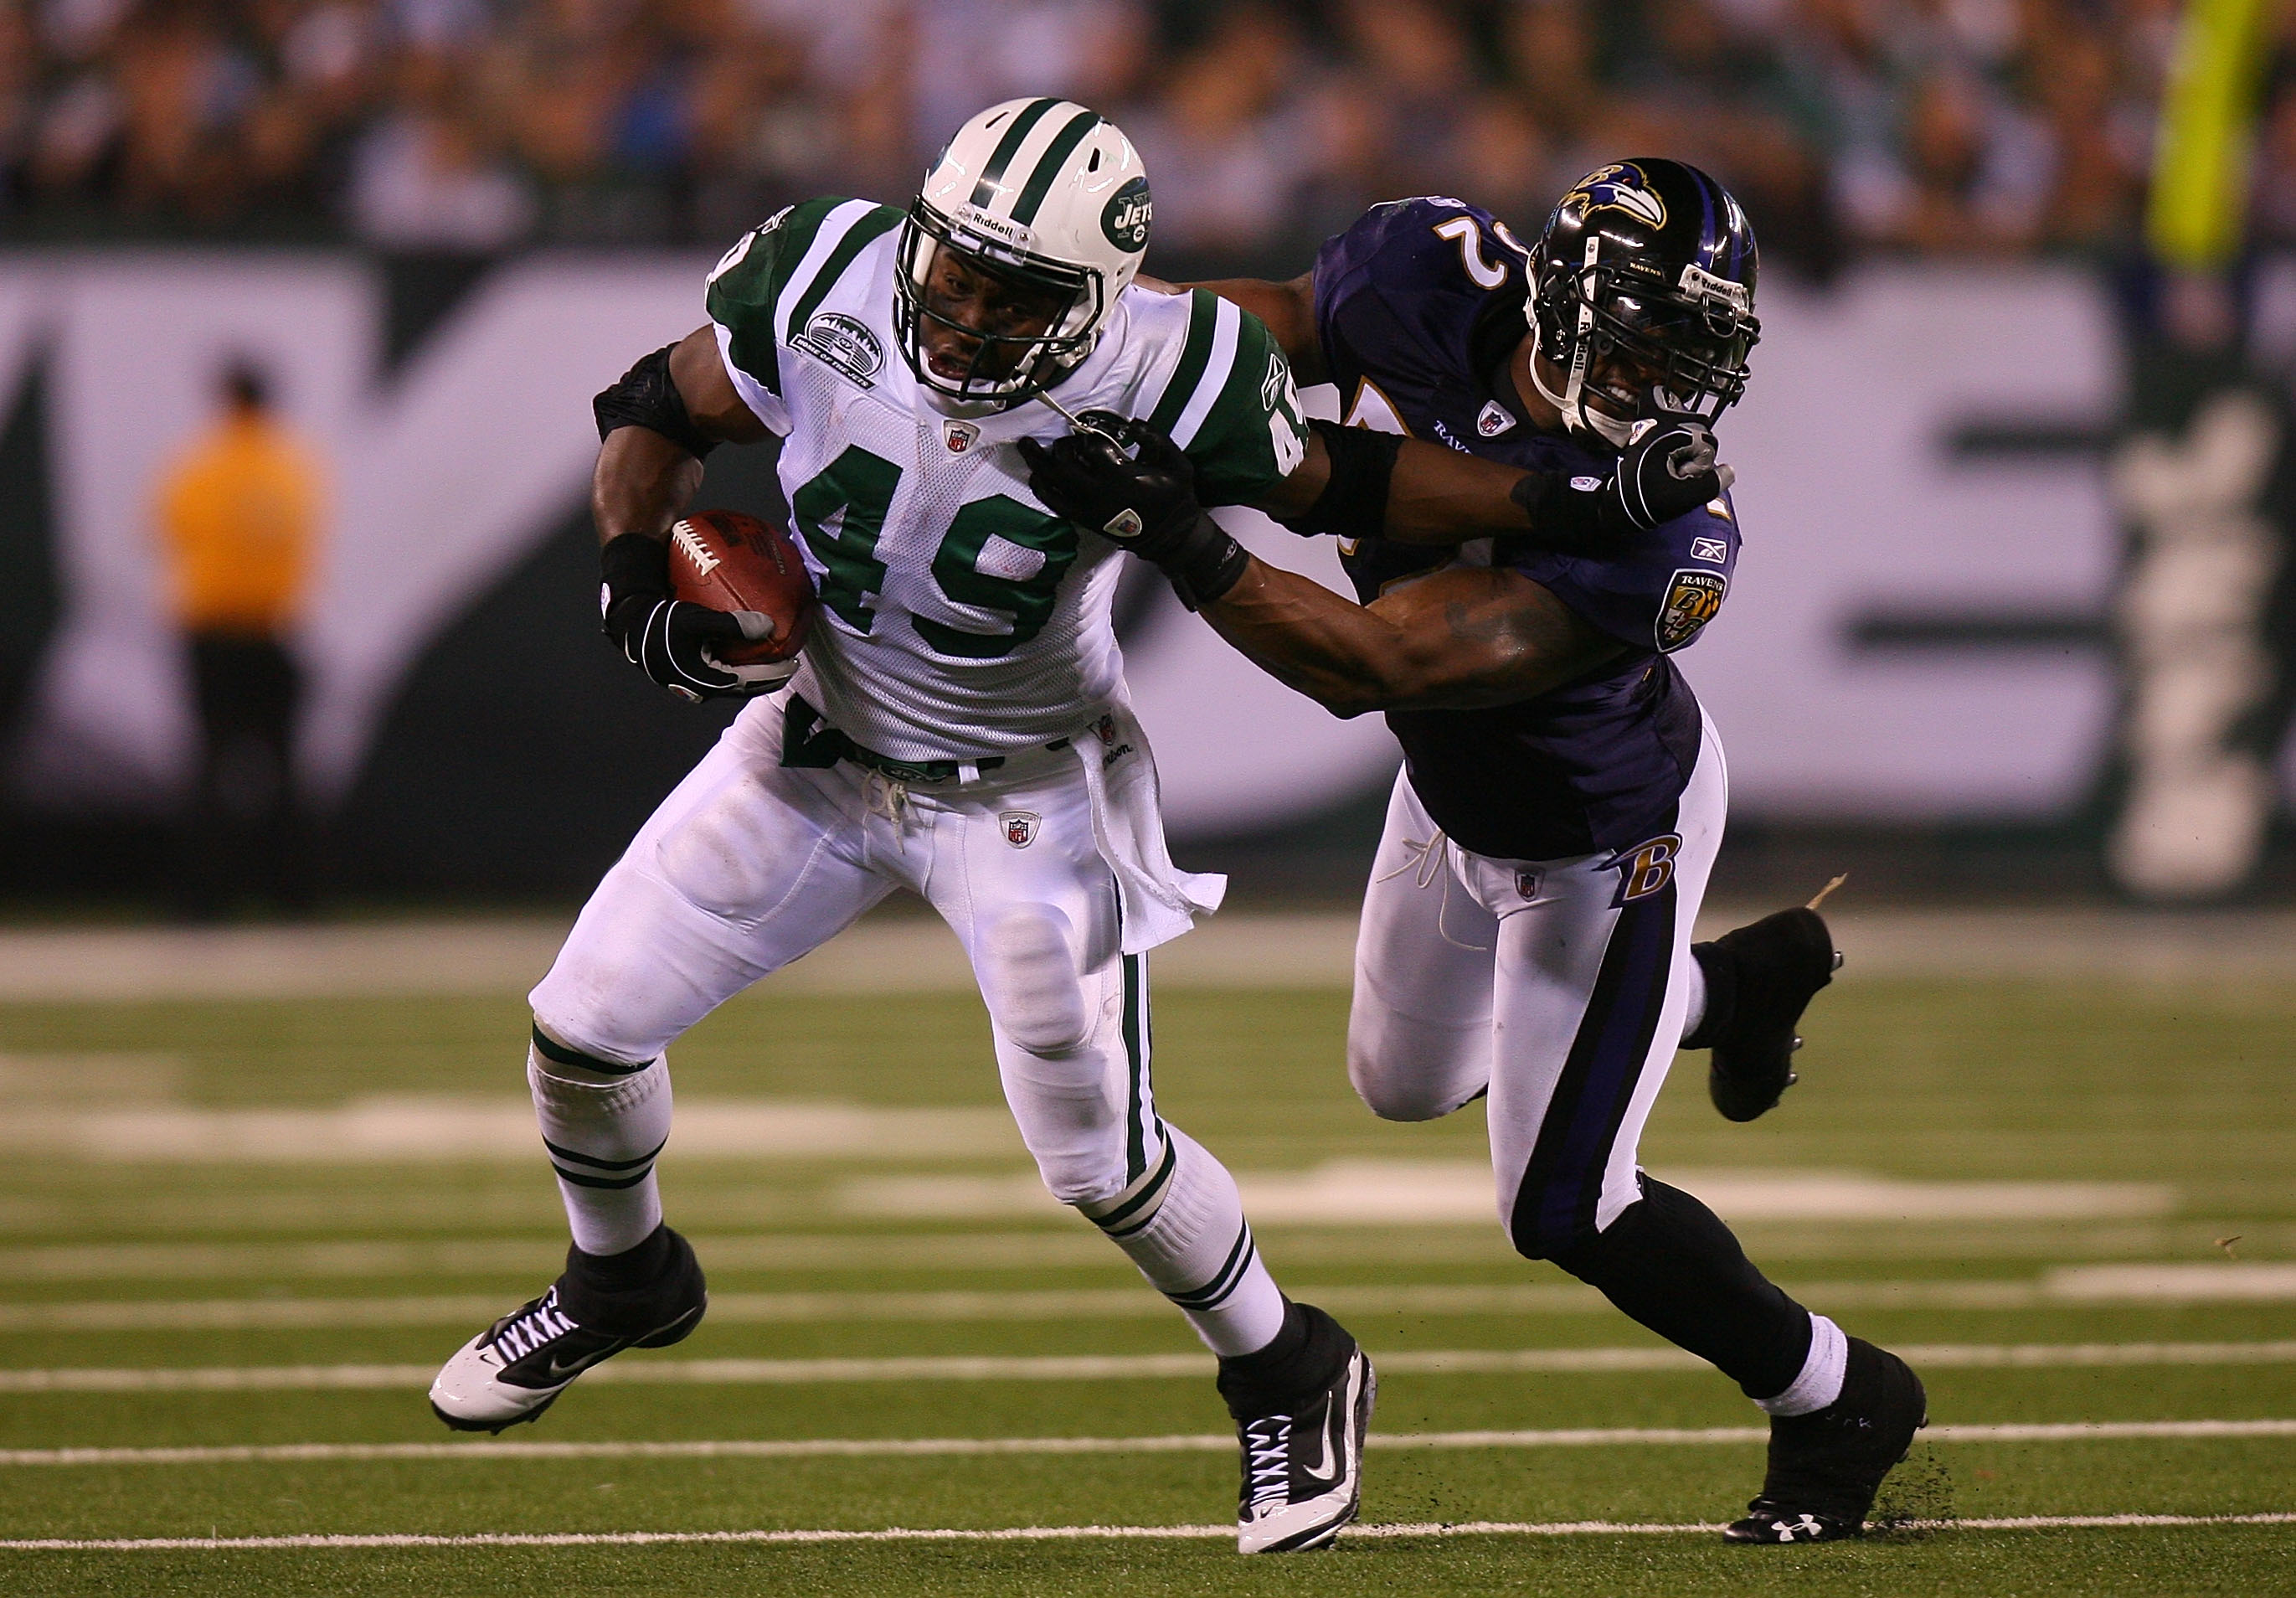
x=1021, y=828
x=1492, y=420
x=959, y=436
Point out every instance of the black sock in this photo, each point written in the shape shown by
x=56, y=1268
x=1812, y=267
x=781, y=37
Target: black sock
x=1303, y=1359
x=1669, y=1263
x=637, y=1267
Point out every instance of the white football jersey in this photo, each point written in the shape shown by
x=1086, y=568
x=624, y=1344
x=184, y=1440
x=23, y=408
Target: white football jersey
x=959, y=616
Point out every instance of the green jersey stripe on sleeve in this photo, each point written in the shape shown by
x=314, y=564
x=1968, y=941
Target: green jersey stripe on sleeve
x=1040, y=181
x=749, y=282
x=872, y=225
x=1244, y=431
x=1204, y=313
x=1219, y=372
x=992, y=174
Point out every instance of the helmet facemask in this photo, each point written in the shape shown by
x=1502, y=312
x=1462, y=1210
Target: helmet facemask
x=1004, y=368
x=1687, y=342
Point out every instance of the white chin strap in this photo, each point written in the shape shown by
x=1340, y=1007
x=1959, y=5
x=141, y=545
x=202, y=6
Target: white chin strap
x=1577, y=415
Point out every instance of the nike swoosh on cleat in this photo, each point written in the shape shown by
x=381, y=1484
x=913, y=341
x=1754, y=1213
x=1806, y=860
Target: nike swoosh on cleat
x=1328, y=1472
x=558, y=1373
x=1337, y=1417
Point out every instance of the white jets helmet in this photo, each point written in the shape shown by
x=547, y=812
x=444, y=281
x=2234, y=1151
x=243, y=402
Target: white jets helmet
x=1042, y=193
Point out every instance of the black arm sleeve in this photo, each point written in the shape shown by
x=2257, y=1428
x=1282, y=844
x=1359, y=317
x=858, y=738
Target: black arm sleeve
x=646, y=397
x=1563, y=518
x=1353, y=504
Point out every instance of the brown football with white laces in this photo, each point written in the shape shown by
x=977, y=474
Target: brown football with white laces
x=730, y=562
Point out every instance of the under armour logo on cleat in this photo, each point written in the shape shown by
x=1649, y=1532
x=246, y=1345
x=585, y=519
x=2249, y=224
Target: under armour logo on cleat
x=1807, y=1524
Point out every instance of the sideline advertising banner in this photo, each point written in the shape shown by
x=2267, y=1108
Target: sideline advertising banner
x=1917, y=629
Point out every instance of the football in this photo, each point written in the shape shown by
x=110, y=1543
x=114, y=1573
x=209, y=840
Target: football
x=728, y=561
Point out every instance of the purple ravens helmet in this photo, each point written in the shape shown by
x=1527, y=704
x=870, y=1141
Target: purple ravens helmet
x=1642, y=292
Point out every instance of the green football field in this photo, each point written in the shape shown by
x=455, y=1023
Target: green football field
x=238, y=1236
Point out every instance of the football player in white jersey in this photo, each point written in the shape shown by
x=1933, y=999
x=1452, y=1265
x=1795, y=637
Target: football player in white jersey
x=958, y=726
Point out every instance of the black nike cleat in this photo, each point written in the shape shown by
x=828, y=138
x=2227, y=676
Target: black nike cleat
x=1303, y=1473
x=516, y=1367
x=1759, y=978
x=1825, y=1467
x=1303, y=1449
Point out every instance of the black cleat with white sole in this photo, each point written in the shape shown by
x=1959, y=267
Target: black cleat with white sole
x=1759, y=978
x=516, y=1367
x=1302, y=1450
x=1825, y=1467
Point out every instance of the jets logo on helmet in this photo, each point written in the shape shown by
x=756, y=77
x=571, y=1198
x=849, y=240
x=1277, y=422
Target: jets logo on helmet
x=1126, y=220
x=1049, y=198
x=1619, y=186
x=1642, y=294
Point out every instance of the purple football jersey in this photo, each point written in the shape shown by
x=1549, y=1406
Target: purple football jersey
x=1419, y=308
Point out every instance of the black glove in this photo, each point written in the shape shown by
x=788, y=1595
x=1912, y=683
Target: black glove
x=1668, y=470
x=670, y=640
x=1135, y=486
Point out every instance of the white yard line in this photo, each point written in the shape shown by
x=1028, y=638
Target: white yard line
x=1048, y=1533
x=1097, y=1303
x=1097, y=1367
x=916, y=954
x=2086, y=1286
x=474, y=1452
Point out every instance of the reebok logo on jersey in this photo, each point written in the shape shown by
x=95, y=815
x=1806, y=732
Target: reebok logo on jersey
x=1713, y=549
x=1492, y=420
x=844, y=344
x=1021, y=827
x=1645, y=869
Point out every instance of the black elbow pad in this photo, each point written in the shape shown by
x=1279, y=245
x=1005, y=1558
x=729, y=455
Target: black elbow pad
x=1353, y=504
x=646, y=397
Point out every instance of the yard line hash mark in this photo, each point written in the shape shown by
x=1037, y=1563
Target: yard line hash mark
x=1207, y=1443
x=1047, y=1534
x=1101, y=1367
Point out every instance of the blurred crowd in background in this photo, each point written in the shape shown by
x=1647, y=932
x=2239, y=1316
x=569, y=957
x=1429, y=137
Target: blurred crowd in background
x=1974, y=127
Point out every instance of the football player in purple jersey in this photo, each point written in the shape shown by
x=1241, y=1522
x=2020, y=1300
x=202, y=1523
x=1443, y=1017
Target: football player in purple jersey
x=1527, y=931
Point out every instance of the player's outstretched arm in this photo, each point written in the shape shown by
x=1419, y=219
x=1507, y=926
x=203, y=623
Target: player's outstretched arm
x=1461, y=639
x=655, y=424
x=1357, y=484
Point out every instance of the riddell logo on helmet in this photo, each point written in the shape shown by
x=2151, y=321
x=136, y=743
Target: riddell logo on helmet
x=1699, y=286
x=973, y=217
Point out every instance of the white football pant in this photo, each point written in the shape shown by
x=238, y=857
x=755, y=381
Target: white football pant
x=1559, y=987
x=748, y=865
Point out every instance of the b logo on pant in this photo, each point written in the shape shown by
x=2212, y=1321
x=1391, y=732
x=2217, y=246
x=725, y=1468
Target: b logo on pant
x=1020, y=827
x=1645, y=869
